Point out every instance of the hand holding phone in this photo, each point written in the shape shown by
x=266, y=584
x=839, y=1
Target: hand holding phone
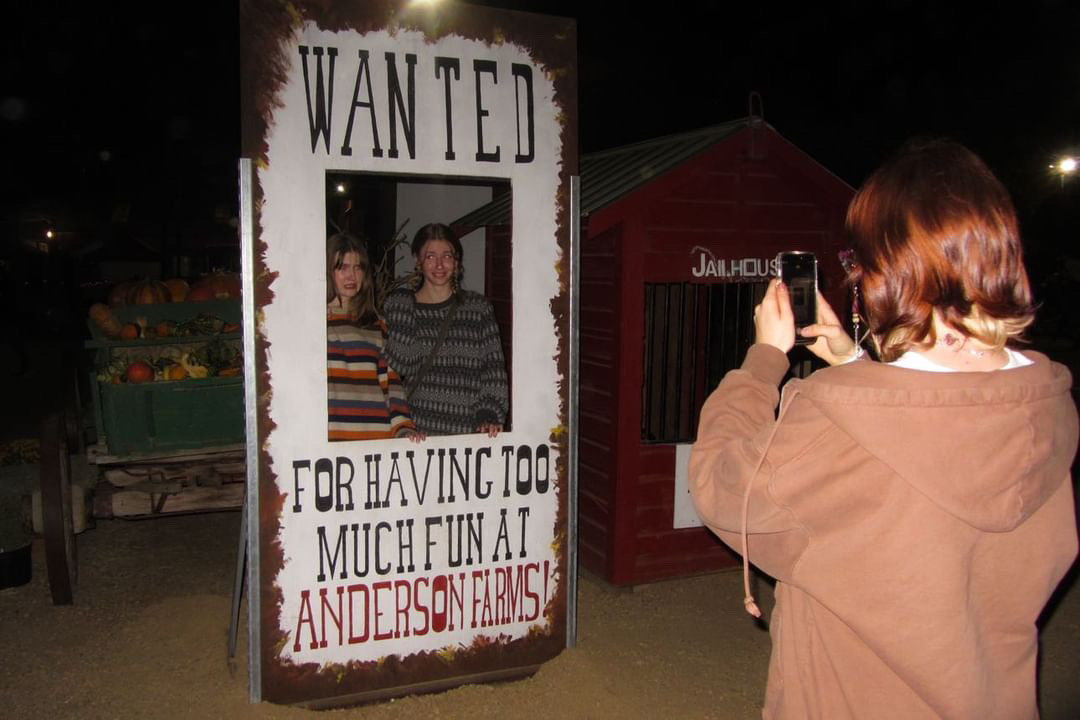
x=798, y=272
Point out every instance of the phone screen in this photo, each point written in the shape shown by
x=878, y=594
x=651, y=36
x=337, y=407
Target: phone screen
x=798, y=271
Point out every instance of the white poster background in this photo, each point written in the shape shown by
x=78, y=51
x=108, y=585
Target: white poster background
x=293, y=221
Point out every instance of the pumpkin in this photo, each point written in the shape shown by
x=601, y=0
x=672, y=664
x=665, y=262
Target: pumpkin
x=119, y=293
x=129, y=331
x=139, y=372
x=103, y=317
x=149, y=292
x=215, y=286
x=178, y=288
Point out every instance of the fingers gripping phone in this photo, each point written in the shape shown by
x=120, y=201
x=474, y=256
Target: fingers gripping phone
x=798, y=271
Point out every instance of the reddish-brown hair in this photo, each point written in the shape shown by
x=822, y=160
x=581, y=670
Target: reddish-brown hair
x=362, y=307
x=934, y=229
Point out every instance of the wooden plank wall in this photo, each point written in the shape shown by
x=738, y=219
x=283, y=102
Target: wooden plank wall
x=598, y=402
x=499, y=289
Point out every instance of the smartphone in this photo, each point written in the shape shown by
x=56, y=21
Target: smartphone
x=798, y=271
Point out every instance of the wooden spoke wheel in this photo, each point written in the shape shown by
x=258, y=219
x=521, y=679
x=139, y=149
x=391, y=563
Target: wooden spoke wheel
x=55, y=468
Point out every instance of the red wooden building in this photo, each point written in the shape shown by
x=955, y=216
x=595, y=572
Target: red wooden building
x=678, y=235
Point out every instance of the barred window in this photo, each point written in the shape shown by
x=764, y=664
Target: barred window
x=694, y=333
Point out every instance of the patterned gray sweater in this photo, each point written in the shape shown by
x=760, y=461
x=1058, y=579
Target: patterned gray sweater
x=465, y=385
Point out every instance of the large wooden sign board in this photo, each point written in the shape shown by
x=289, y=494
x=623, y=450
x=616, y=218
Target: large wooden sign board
x=385, y=567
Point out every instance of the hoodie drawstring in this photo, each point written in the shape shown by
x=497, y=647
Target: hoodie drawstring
x=748, y=597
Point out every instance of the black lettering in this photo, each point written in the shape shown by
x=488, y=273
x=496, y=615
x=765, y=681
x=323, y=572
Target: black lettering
x=444, y=66
x=428, y=522
x=344, y=485
x=479, y=67
x=363, y=74
x=543, y=453
x=524, y=454
x=373, y=483
x=397, y=103
x=502, y=538
x=379, y=567
x=507, y=453
x=405, y=544
x=523, y=513
x=483, y=490
x=339, y=551
x=324, y=502
x=297, y=466
x=319, y=121
x=524, y=73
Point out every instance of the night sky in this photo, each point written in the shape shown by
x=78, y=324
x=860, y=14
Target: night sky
x=112, y=118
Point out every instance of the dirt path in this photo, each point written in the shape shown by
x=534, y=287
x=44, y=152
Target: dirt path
x=147, y=638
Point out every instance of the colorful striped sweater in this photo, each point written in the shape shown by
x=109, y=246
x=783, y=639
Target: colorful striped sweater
x=465, y=386
x=365, y=398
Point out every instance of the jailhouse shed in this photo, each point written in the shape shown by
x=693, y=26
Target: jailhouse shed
x=678, y=240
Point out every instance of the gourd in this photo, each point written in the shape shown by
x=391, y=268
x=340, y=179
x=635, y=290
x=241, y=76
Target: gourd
x=149, y=292
x=103, y=317
x=178, y=289
x=215, y=286
x=119, y=293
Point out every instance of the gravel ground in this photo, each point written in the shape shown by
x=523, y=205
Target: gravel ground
x=147, y=635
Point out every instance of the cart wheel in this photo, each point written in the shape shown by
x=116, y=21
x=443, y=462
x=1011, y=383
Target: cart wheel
x=55, y=465
x=73, y=415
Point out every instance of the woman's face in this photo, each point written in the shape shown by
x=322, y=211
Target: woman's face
x=348, y=277
x=437, y=262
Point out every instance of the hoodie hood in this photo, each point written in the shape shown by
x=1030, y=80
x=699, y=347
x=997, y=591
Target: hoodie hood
x=1011, y=436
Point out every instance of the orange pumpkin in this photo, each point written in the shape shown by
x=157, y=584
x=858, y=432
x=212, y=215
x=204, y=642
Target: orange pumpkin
x=178, y=289
x=119, y=293
x=103, y=316
x=139, y=372
x=215, y=286
x=149, y=292
x=129, y=331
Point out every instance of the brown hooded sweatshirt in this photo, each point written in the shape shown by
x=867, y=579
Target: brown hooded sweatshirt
x=916, y=523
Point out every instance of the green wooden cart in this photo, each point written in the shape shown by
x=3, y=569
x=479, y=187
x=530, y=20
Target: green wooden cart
x=168, y=446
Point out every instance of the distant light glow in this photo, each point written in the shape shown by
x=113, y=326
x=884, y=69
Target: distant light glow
x=340, y=188
x=1067, y=165
x=49, y=234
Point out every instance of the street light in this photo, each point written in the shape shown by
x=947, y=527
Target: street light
x=1066, y=165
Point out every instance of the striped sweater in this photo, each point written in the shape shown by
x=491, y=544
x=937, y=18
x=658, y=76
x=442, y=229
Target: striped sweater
x=365, y=398
x=465, y=386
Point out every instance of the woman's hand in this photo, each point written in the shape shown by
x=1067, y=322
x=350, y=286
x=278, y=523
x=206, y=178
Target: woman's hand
x=774, y=323
x=833, y=345
x=492, y=429
x=414, y=435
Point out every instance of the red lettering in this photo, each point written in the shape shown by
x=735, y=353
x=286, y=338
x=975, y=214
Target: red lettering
x=361, y=589
x=420, y=607
x=327, y=609
x=305, y=616
x=402, y=609
x=438, y=615
x=477, y=576
x=530, y=568
x=486, y=618
x=456, y=599
x=380, y=634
